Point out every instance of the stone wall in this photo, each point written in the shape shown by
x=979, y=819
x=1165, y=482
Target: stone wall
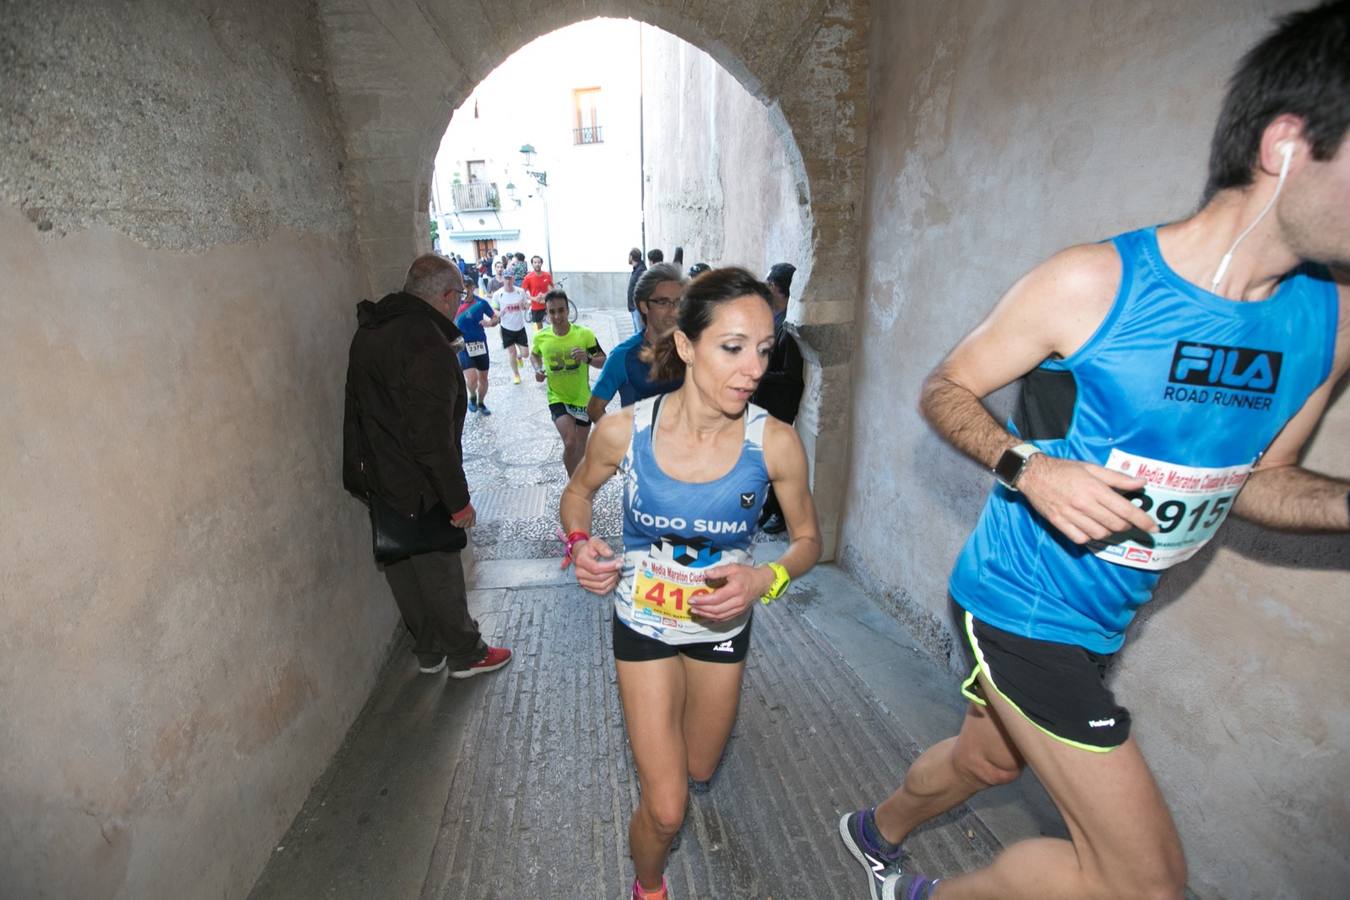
x=1000, y=133
x=595, y=290
x=190, y=619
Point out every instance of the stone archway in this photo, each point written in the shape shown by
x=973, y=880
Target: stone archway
x=399, y=69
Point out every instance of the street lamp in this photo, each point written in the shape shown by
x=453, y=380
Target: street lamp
x=541, y=177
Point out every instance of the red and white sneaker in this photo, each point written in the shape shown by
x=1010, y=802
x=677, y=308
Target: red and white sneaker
x=495, y=659
x=659, y=894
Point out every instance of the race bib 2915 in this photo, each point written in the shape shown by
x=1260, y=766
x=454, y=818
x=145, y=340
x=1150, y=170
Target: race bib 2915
x=1188, y=503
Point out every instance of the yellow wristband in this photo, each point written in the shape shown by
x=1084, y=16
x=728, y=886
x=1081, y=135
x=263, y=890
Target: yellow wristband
x=781, y=578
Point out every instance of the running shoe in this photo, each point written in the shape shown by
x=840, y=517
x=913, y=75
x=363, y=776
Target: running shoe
x=473, y=405
x=515, y=379
x=482, y=408
x=659, y=894
x=911, y=886
x=430, y=667
x=879, y=869
x=495, y=659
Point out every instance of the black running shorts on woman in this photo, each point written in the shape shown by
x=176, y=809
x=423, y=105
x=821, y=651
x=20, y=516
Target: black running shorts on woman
x=630, y=646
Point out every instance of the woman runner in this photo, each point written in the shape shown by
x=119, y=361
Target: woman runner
x=697, y=464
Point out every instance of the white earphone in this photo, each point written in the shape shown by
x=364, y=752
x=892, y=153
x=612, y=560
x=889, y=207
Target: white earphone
x=1286, y=149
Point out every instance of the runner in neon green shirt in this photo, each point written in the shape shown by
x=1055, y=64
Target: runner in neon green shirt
x=563, y=354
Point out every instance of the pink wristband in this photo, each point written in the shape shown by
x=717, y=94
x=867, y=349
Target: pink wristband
x=571, y=541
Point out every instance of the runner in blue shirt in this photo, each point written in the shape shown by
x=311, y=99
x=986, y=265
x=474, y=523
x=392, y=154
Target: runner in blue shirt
x=657, y=298
x=473, y=313
x=695, y=465
x=1171, y=375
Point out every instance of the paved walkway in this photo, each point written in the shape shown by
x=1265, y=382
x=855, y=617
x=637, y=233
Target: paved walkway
x=513, y=458
x=519, y=784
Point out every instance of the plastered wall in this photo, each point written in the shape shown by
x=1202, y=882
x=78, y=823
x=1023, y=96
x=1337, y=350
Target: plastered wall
x=189, y=620
x=723, y=175
x=1000, y=133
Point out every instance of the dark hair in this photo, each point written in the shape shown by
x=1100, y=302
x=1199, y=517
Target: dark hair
x=699, y=303
x=678, y=256
x=635, y=255
x=657, y=274
x=781, y=277
x=698, y=269
x=655, y=255
x=520, y=256
x=1302, y=68
x=538, y=257
x=556, y=293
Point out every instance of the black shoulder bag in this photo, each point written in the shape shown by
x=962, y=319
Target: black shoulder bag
x=395, y=536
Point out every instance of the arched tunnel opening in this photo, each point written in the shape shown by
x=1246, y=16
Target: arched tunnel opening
x=199, y=661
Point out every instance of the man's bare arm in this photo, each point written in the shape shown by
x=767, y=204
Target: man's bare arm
x=1290, y=498
x=1052, y=311
x=956, y=413
x=1282, y=494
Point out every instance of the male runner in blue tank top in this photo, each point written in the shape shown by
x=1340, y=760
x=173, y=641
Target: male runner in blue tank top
x=656, y=297
x=1171, y=377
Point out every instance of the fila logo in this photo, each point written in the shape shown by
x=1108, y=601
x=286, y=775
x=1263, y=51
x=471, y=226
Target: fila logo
x=748, y=500
x=1101, y=723
x=1213, y=365
x=724, y=647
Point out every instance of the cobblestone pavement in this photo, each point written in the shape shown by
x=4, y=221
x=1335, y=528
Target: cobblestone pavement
x=513, y=458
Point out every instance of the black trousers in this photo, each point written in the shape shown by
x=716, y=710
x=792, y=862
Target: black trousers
x=430, y=593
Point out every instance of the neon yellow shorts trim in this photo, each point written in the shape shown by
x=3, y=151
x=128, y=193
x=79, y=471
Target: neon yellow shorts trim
x=971, y=686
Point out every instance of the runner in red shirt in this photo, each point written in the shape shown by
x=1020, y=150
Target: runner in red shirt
x=537, y=284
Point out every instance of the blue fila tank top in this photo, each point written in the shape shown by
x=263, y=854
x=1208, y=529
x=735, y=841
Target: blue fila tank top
x=1179, y=387
x=675, y=531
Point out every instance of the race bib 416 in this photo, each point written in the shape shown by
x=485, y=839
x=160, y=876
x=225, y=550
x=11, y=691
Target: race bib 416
x=663, y=591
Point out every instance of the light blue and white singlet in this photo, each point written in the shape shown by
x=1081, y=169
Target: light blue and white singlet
x=674, y=531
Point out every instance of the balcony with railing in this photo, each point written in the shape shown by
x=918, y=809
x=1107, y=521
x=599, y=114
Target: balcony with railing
x=476, y=195
x=588, y=135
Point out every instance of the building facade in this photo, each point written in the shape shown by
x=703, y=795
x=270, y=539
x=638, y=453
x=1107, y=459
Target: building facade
x=577, y=199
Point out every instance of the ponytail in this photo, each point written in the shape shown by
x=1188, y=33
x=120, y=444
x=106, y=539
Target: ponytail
x=664, y=359
x=701, y=298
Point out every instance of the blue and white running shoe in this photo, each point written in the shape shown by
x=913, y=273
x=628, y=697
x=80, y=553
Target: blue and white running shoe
x=878, y=868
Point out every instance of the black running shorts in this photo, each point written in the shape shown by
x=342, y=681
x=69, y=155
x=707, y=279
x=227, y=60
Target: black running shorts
x=537, y=316
x=511, y=336
x=1059, y=688
x=578, y=414
x=633, y=646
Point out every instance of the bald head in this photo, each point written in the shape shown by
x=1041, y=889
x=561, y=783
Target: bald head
x=436, y=280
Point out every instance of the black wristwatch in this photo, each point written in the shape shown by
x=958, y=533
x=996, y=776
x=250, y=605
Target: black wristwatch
x=1013, y=463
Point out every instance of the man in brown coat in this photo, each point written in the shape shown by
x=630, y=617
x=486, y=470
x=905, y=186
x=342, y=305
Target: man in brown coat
x=404, y=419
